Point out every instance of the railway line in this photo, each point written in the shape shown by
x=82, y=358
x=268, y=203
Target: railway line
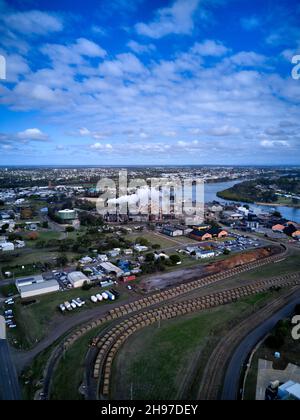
x=157, y=303
x=109, y=344
x=213, y=375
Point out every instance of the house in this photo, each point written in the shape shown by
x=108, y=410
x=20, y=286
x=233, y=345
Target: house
x=204, y=254
x=7, y=246
x=204, y=235
x=278, y=228
x=102, y=257
x=289, y=229
x=191, y=249
x=140, y=248
x=19, y=244
x=114, y=252
x=128, y=251
x=296, y=235
x=172, y=231
x=161, y=255
x=200, y=235
x=85, y=260
x=217, y=232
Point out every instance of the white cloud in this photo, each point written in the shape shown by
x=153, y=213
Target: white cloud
x=177, y=19
x=33, y=22
x=102, y=147
x=140, y=48
x=32, y=134
x=88, y=48
x=270, y=144
x=248, y=58
x=224, y=130
x=210, y=47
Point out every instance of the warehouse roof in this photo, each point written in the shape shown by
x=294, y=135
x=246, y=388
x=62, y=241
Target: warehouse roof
x=38, y=286
x=75, y=276
x=29, y=280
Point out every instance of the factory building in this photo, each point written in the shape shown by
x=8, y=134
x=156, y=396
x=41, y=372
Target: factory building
x=109, y=268
x=77, y=279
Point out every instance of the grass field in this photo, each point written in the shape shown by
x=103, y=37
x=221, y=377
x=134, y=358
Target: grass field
x=67, y=380
x=34, y=320
x=289, y=265
x=164, y=242
x=158, y=361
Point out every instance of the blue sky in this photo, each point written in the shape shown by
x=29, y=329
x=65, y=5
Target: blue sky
x=149, y=82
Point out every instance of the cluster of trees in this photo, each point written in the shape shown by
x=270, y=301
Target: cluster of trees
x=153, y=265
x=278, y=336
x=250, y=191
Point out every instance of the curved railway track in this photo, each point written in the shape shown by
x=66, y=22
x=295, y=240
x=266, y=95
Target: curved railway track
x=111, y=341
x=154, y=300
x=212, y=379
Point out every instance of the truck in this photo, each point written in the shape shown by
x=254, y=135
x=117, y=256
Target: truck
x=104, y=295
x=99, y=297
x=94, y=299
x=8, y=312
x=110, y=295
x=77, y=304
x=62, y=307
x=68, y=306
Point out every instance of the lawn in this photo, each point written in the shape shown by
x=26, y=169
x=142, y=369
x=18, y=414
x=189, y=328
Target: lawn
x=154, y=238
x=34, y=320
x=289, y=265
x=159, y=361
x=67, y=380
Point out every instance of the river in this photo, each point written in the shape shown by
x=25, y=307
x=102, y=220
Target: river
x=211, y=189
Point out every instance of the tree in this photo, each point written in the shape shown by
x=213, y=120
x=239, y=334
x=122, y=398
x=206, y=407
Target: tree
x=226, y=251
x=70, y=229
x=277, y=214
x=142, y=241
x=149, y=257
x=45, y=224
x=175, y=259
x=62, y=260
x=32, y=236
x=156, y=246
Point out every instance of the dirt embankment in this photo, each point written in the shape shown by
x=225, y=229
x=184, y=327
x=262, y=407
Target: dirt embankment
x=161, y=281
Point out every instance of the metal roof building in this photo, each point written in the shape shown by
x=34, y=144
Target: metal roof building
x=36, y=289
x=26, y=281
x=77, y=278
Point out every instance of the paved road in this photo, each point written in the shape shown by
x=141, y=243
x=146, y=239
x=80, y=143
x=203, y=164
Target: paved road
x=233, y=373
x=9, y=386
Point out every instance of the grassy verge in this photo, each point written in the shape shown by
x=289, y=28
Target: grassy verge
x=160, y=361
x=70, y=370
